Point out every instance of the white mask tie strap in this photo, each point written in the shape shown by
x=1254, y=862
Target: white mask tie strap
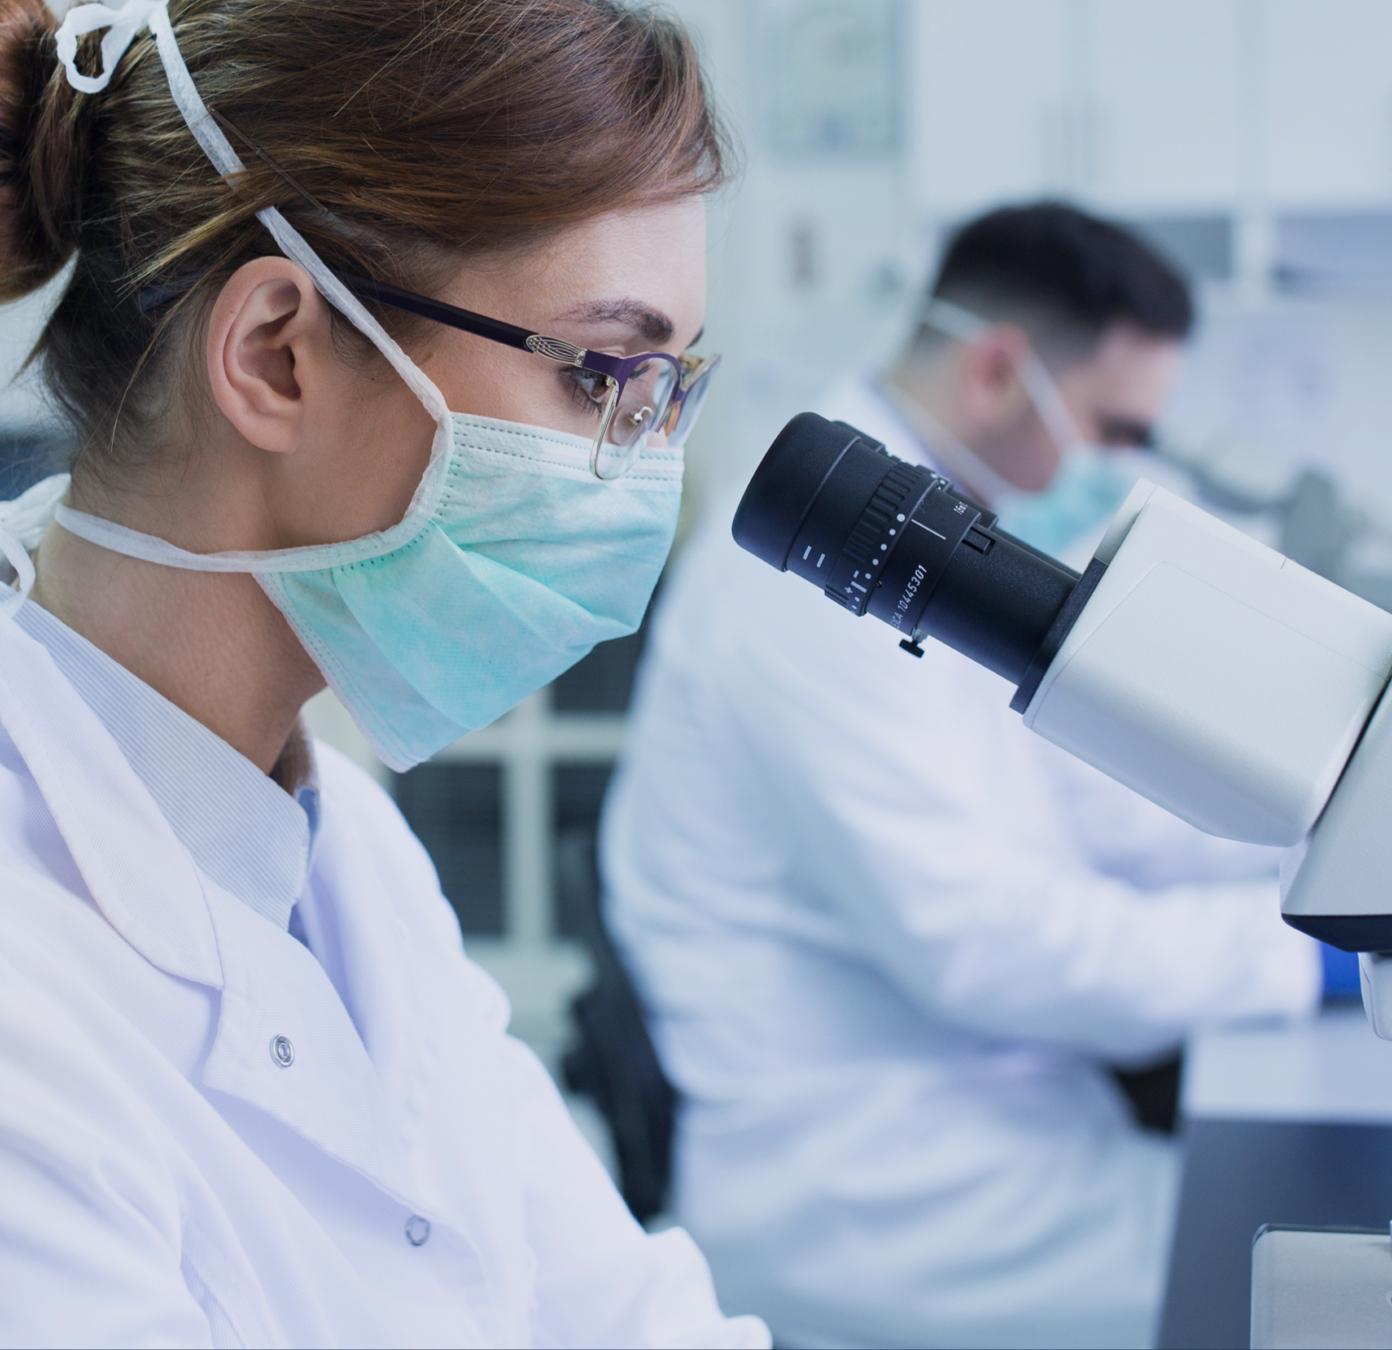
x=18, y=557
x=22, y=523
x=123, y=27
x=951, y=320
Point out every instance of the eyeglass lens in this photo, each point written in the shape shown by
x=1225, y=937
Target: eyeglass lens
x=644, y=402
x=645, y=405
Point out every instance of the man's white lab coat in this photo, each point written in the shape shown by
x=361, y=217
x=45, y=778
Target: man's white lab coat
x=889, y=939
x=203, y=1143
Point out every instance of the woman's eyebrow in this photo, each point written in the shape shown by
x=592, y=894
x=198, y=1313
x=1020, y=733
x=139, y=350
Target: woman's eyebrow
x=650, y=324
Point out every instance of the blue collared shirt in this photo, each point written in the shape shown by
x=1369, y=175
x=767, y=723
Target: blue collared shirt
x=243, y=829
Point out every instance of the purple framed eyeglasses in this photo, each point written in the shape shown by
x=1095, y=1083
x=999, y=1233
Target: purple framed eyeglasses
x=634, y=396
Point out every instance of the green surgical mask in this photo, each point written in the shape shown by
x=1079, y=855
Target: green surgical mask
x=513, y=560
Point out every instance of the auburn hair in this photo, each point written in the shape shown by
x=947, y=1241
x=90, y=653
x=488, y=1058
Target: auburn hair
x=396, y=135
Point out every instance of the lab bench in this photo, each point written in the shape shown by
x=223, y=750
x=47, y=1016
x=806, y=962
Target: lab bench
x=1280, y=1124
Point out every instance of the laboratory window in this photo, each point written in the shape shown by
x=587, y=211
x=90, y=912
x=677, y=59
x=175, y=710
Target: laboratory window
x=456, y=810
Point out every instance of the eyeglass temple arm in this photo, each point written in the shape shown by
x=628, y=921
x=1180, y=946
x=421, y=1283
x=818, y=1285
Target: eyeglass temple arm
x=509, y=334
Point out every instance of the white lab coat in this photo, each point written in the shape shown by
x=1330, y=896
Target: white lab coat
x=411, y=1178
x=888, y=939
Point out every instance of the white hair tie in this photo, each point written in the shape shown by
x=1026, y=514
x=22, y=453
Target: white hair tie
x=123, y=27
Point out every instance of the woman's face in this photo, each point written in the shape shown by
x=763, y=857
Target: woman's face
x=621, y=284
x=356, y=441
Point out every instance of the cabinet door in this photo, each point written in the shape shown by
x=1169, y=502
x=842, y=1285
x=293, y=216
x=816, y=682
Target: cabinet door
x=990, y=116
x=1327, y=104
x=1167, y=83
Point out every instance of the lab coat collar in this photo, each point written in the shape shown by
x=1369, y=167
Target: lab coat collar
x=247, y=831
x=868, y=403
x=915, y=440
x=139, y=875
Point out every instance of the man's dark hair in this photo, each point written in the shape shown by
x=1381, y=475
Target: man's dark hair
x=1063, y=275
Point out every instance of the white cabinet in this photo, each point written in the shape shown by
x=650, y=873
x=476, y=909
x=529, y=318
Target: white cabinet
x=987, y=101
x=1123, y=102
x=1326, y=110
x=1160, y=106
x=1168, y=87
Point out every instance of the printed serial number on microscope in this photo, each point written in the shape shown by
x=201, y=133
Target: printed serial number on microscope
x=906, y=599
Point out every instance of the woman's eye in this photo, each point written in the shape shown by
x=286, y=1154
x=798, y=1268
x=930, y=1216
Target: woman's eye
x=588, y=389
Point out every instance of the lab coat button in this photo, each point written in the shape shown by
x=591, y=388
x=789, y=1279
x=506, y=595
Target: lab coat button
x=417, y=1230
x=282, y=1051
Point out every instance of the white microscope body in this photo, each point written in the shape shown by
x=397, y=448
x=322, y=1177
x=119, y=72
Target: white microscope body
x=1244, y=694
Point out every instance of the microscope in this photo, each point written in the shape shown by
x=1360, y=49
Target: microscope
x=1231, y=686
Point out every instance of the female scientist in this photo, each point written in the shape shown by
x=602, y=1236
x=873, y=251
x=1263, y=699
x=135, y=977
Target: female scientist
x=253, y=1092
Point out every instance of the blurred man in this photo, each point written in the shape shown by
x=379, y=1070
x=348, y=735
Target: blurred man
x=892, y=944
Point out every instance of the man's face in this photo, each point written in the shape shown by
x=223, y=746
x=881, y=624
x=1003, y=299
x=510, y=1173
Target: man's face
x=1114, y=396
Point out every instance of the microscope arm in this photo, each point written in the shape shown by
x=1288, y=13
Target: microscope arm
x=1244, y=694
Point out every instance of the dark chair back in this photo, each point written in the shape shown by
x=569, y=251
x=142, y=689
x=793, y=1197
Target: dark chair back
x=612, y=1059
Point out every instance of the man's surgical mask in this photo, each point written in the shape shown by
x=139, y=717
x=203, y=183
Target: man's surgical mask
x=1071, y=512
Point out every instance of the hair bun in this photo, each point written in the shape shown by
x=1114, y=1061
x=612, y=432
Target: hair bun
x=43, y=152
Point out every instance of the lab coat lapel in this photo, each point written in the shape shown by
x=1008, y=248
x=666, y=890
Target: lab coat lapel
x=342, y=1090
x=432, y=1025
x=285, y=1044
x=356, y=1093
x=139, y=875
x=394, y=990
x=364, y=1089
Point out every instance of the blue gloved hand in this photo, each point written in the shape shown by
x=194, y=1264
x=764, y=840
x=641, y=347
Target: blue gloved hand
x=1341, y=979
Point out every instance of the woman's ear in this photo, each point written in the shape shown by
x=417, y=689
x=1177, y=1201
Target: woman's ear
x=268, y=339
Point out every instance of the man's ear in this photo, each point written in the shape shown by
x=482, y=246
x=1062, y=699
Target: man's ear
x=990, y=373
x=268, y=337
